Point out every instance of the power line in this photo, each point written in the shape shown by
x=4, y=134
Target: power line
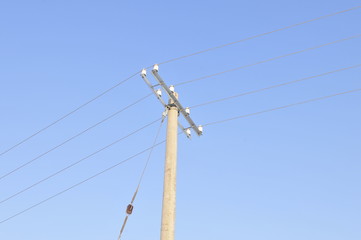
x=275, y=86
x=282, y=107
x=168, y=61
x=130, y=206
x=79, y=183
x=68, y=114
x=73, y=137
x=258, y=35
x=77, y=162
x=267, y=60
x=211, y=123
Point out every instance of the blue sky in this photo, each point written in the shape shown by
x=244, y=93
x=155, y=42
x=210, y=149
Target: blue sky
x=287, y=174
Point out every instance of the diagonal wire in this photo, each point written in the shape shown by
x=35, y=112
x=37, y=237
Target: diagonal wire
x=139, y=153
x=79, y=183
x=168, y=61
x=68, y=114
x=259, y=35
x=275, y=86
x=283, y=107
x=77, y=162
x=267, y=60
x=73, y=137
x=140, y=181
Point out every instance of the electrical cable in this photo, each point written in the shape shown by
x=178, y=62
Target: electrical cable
x=168, y=61
x=283, y=107
x=275, y=86
x=258, y=35
x=79, y=183
x=77, y=162
x=130, y=206
x=208, y=124
x=267, y=60
x=68, y=114
x=73, y=137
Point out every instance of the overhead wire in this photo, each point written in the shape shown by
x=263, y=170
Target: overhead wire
x=182, y=57
x=259, y=35
x=77, y=162
x=73, y=137
x=267, y=60
x=80, y=183
x=275, y=86
x=68, y=114
x=207, y=124
x=282, y=107
x=130, y=206
x=168, y=61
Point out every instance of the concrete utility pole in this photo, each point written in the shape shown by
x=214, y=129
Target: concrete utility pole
x=170, y=174
x=172, y=109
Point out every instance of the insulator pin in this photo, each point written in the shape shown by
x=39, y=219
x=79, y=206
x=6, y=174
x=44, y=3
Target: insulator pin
x=159, y=93
x=187, y=110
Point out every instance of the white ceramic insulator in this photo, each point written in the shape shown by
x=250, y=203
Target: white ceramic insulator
x=188, y=110
x=200, y=128
x=159, y=92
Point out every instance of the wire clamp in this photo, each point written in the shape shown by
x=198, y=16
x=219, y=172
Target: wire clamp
x=164, y=114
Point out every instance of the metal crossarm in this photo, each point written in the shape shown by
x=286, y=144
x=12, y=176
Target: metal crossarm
x=176, y=102
x=158, y=94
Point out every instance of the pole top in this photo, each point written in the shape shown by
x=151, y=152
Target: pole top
x=173, y=100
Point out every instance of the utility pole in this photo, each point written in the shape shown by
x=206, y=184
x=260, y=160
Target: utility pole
x=170, y=174
x=172, y=110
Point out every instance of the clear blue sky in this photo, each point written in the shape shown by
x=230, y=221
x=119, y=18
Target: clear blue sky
x=288, y=174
